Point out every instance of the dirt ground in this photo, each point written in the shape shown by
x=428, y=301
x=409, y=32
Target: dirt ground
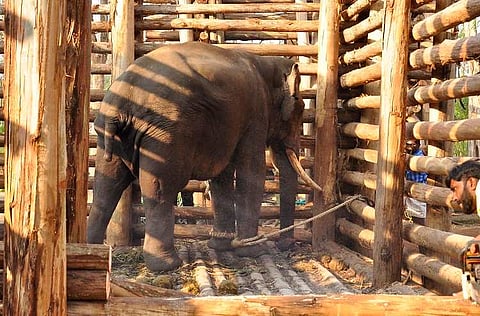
x=206, y=272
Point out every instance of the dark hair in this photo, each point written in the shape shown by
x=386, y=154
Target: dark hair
x=470, y=168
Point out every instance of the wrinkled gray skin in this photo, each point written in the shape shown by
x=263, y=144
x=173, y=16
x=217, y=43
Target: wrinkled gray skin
x=196, y=111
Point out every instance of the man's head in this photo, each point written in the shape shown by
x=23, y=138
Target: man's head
x=411, y=146
x=462, y=180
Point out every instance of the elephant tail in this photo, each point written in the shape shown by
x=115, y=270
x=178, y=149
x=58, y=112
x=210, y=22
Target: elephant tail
x=109, y=138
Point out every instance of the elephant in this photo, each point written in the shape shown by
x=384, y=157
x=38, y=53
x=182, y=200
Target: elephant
x=197, y=111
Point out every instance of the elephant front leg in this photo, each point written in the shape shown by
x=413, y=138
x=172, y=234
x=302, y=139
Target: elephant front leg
x=224, y=210
x=250, y=182
x=288, y=192
x=158, y=248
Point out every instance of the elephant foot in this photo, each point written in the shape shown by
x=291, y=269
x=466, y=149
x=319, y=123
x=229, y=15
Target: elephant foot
x=284, y=244
x=162, y=262
x=251, y=251
x=220, y=244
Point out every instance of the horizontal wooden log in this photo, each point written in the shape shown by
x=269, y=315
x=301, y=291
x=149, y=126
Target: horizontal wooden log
x=458, y=12
x=434, y=165
x=363, y=269
x=363, y=102
x=434, y=269
x=423, y=192
x=431, y=165
x=362, y=235
x=127, y=288
x=101, y=69
x=229, y=25
x=202, y=232
x=197, y=212
x=439, y=241
x=314, y=305
x=449, y=89
x=259, y=49
x=82, y=256
x=368, y=155
x=430, y=267
x=468, y=129
x=362, y=76
x=361, y=130
x=362, y=28
x=431, y=194
x=362, y=54
x=173, y=36
x=449, y=51
x=88, y=285
x=356, y=8
x=218, y=8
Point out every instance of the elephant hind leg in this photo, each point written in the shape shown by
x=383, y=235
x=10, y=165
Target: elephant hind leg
x=158, y=247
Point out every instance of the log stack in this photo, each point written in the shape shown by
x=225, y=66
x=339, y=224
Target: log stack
x=88, y=271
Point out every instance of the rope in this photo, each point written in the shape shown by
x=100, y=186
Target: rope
x=237, y=243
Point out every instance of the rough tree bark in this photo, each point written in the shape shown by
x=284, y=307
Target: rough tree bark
x=35, y=211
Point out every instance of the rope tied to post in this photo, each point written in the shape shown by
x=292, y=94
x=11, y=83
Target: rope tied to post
x=237, y=243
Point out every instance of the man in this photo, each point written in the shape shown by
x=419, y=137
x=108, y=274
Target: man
x=415, y=210
x=463, y=180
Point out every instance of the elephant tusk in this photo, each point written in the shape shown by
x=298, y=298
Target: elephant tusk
x=292, y=157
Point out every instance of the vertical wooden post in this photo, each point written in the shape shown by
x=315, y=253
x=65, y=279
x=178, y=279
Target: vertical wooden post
x=387, y=252
x=123, y=54
x=186, y=35
x=76, y=110
x=325, y=120
x=35, y=211
x=438, y=217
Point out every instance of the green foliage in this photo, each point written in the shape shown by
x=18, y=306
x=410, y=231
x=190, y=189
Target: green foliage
x=460, y=149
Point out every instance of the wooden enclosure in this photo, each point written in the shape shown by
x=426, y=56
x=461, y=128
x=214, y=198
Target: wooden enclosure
x=366, y=66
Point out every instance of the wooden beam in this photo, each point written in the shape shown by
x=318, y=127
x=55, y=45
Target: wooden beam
x=206, y=8
x=123, y=54
x=440, y=241
x=449, y=89
x=459, y=12
x=449, y=51
x=230, y=25
x=325, y=168
x=77, y=96
x=468, y=129
x=35, y=202
x=315, y=305
x=362, y=28
x=423, y=192
x=432, y=268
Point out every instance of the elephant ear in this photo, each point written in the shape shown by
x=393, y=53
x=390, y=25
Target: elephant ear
x=291, y=88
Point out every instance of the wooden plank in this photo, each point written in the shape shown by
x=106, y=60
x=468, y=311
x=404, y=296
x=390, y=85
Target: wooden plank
x=458, y=130
x=449, y=51
x=448, y=89
x=459, y=12
x=123, y=54
x=387, y=250
x=325, y=168
x=206, y=8
x=360, y=305
x=230, y=25
x=76, y=111
x=35, y=212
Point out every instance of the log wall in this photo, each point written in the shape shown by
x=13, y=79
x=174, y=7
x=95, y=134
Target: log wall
x=271, y=28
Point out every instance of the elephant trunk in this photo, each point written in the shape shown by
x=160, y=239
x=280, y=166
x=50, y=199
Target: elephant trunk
x=292, y=157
